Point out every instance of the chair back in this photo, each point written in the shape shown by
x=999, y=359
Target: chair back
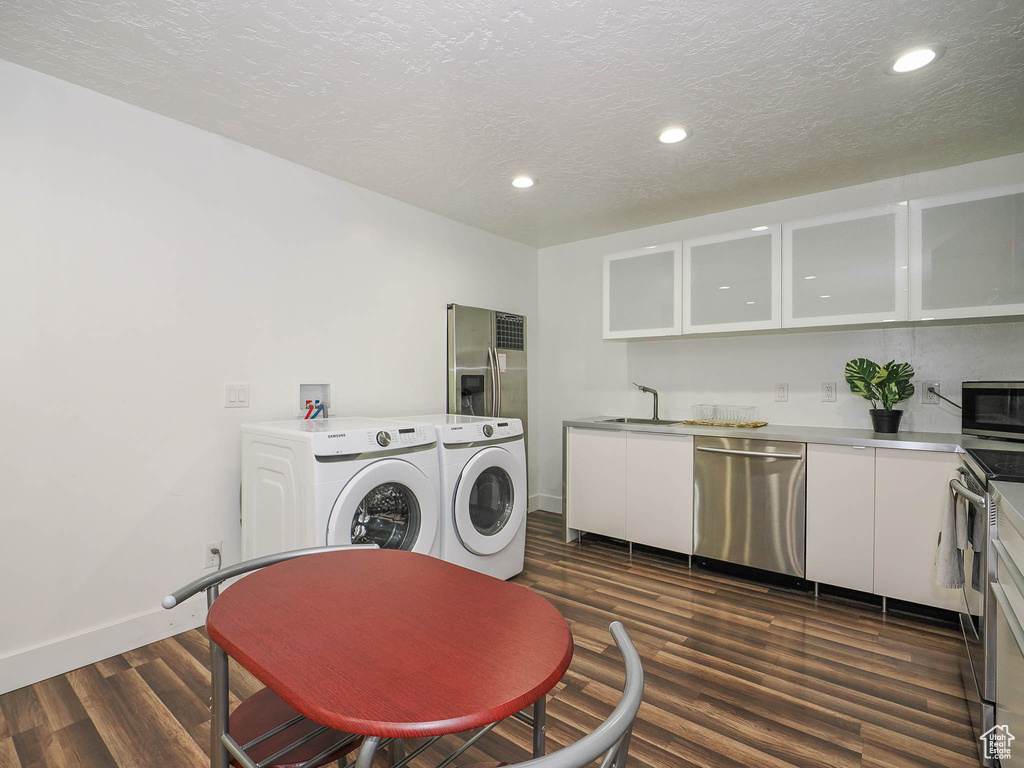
x=611, y=738
x=211, y=582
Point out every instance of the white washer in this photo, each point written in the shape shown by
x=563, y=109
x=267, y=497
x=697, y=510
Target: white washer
x=339, y=481
x=483, y=491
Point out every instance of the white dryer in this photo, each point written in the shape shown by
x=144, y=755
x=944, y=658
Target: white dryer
x=483, y=491
x=339, y=481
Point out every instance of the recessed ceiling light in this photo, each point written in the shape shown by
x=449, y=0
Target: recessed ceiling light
x=751, y=302
x=651, y=247
x=522, y=182
x=904, y=267
x=914, y=59
x=810, y=277
x=758, y=229
x=723, y=287
x=825, y=296
x=672, y=135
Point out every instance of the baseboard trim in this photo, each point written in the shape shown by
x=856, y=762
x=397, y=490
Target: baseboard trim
x=30, y=665
x=546, y=502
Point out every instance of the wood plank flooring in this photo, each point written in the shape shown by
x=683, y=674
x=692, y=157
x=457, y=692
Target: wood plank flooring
x=738, y=674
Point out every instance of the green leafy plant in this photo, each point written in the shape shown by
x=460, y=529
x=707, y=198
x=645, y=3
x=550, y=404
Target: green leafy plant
x=887, y=384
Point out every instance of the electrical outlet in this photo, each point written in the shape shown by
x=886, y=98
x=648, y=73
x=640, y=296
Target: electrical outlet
x=782, y=393
x=213, y=554
x=929, y=397
x=236, y=395
x=828, y=391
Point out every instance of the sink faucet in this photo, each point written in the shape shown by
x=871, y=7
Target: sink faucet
x=650, y=391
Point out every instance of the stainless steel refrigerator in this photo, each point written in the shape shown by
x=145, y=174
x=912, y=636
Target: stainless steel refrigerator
x=486, y=363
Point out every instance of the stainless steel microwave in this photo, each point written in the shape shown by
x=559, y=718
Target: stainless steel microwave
x=993, y=409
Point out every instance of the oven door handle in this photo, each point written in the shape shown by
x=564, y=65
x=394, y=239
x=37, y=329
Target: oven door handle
x=961, y=490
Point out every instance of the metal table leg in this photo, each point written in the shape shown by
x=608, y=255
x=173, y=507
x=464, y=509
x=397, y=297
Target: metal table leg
x=219, y=707
x=367, y=752
x=540, y=708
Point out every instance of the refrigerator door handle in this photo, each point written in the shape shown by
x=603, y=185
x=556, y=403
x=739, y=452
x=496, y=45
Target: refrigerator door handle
x=493, y=370
x=497, y=376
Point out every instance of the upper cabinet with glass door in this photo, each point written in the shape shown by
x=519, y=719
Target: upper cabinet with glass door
x=733, y=281
x=846, y=268
x=967, y=254
x=642, y=292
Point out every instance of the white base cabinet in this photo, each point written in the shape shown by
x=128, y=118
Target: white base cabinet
x=631, y=485
x=659, y=491
x=841, y=516
x=873, y=514
x=595, y=477
x=911, y=490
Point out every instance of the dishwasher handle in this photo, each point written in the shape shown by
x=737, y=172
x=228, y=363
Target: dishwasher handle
x=763, y=454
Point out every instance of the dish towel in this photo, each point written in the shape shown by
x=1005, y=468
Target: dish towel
x=953, y=540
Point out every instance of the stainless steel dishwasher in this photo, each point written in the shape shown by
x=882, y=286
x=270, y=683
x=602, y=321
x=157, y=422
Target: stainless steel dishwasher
x=750, y=502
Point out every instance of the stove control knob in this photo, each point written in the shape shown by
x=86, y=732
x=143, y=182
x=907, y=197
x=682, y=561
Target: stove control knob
x=488, y=430
x=383, y=439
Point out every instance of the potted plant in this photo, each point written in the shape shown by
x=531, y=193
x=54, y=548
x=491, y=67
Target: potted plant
x=887, y=385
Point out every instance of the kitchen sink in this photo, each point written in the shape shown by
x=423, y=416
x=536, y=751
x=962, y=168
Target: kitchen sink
x=663, y=422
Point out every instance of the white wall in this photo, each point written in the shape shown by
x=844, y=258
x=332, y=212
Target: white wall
x=582, y=375
x=143, y=264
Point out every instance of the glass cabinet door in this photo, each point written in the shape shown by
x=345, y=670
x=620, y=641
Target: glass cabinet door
x=643, y=292
x=733, y=281
x=846, y=268
x=967, y=254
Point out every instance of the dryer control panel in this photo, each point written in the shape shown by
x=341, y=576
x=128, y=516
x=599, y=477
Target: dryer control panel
x=481, y=431
x=351, y=442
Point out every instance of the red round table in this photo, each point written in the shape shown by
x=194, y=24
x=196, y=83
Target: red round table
x=386, y=643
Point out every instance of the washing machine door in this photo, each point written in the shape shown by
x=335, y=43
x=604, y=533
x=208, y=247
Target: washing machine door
x=490, y=502
x=390, y=503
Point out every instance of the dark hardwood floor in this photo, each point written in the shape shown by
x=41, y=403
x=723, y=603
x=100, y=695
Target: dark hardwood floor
x=738, y=674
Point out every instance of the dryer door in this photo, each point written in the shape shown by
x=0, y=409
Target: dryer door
x=490, y=502
x=390, y=503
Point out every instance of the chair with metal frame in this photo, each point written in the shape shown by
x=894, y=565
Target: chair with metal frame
x=263, y=730
x=610, y=740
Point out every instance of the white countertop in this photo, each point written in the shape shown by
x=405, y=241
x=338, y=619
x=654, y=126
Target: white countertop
x=947, y=442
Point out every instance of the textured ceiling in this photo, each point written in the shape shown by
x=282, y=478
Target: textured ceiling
x=441, y=103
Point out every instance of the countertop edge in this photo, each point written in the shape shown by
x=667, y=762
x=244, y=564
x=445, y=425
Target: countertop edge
x=942, y=442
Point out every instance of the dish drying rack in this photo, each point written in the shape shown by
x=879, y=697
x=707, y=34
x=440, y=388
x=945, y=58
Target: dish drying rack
x=714, y=415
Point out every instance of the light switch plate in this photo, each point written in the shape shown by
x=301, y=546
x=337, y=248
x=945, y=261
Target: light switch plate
x=782, y=393
x=236, y=395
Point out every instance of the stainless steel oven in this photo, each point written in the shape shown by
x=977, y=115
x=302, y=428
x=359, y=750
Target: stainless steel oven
x=977, y=614
x=993, y=409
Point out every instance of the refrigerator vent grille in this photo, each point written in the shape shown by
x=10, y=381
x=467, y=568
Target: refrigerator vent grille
x=508, y=331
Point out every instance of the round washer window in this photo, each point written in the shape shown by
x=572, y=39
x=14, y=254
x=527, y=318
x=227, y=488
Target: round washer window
x=388, y=516
x=491, y=501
